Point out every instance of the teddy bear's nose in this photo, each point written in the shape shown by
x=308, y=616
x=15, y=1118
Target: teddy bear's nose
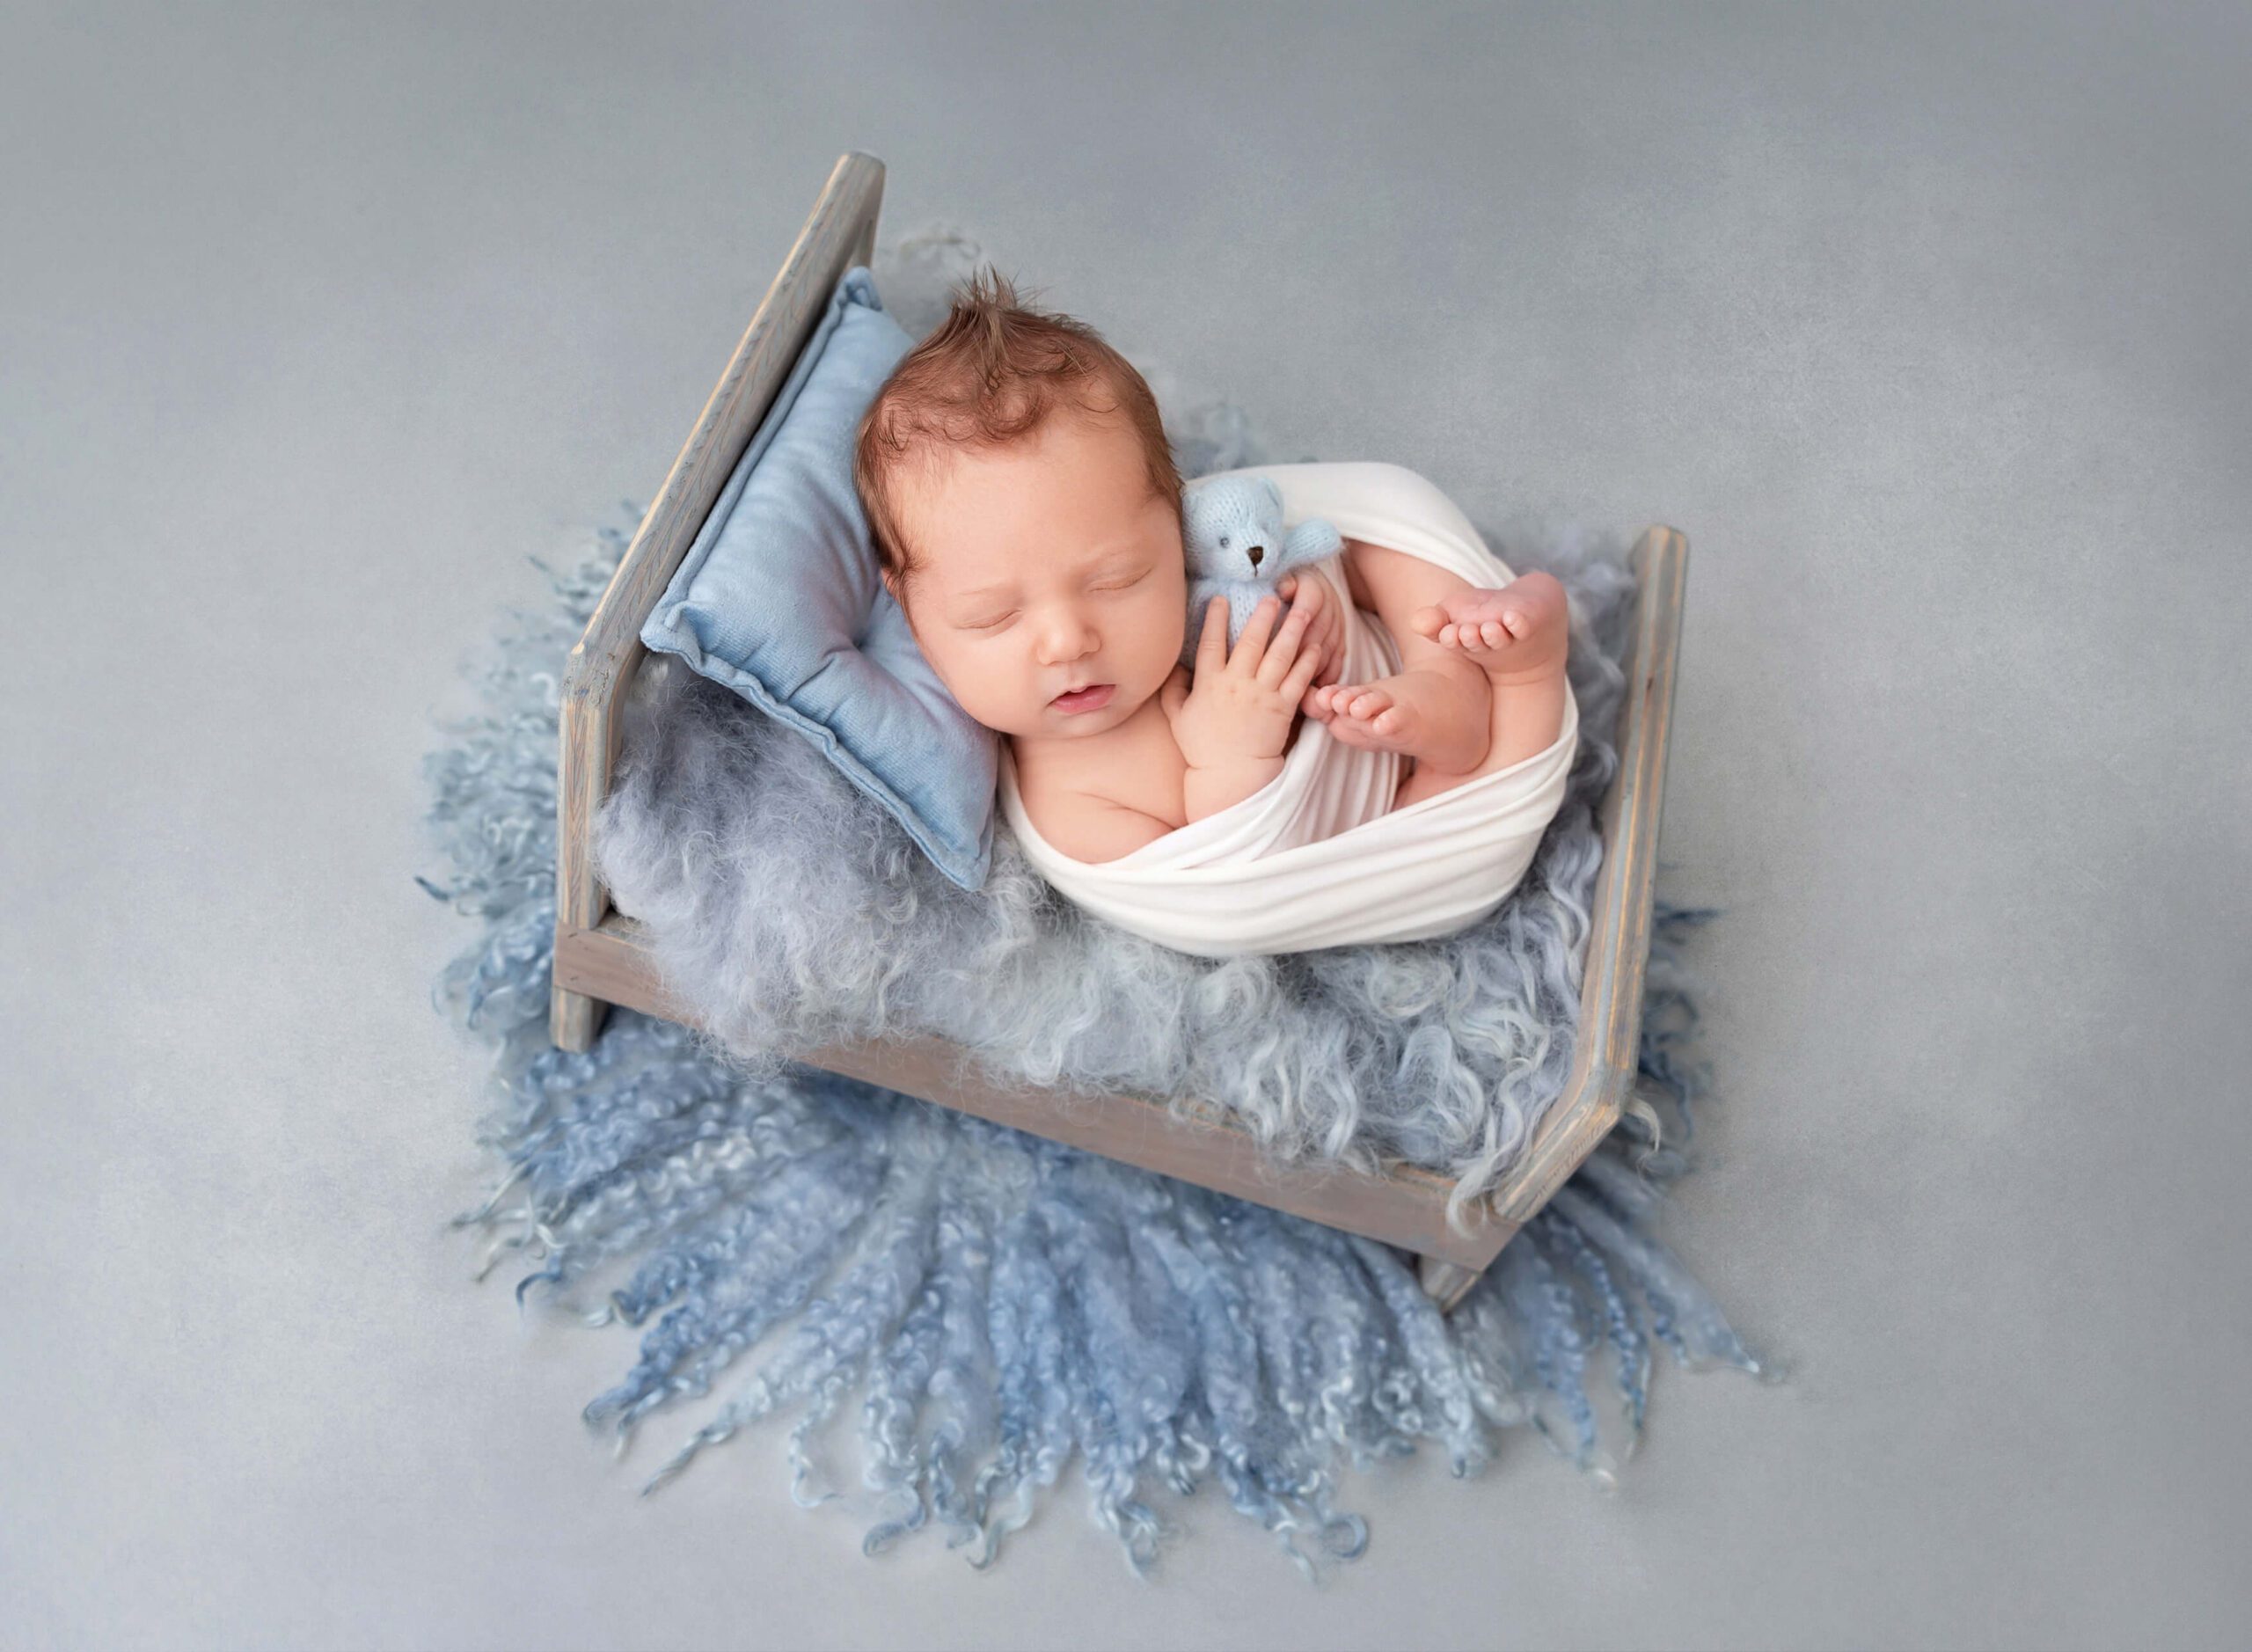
x=1256, y=552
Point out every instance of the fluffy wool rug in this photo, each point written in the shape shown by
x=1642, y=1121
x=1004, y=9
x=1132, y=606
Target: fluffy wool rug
x=998, y=1303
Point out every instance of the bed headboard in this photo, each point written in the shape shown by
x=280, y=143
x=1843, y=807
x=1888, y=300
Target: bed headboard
x=840, y=232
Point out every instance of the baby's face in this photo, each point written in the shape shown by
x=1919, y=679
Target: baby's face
x=1051, y=566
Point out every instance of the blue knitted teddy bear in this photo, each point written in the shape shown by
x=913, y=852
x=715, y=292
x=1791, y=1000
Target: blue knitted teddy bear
x=1232, y=531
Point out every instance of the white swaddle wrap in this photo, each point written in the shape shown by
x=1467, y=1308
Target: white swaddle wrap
x=1317, y=856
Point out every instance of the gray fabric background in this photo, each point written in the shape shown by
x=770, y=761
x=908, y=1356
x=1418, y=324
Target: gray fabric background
x=1928, y=326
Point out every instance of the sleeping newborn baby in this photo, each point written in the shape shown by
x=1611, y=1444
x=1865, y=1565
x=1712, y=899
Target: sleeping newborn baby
x=1027, y=513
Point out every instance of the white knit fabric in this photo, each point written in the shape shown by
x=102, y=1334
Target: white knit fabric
x=1313, y=858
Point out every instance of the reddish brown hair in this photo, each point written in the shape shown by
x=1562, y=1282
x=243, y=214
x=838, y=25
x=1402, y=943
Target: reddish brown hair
x=991, y=374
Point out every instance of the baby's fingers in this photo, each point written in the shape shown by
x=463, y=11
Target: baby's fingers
x=1286, y=645
x=1301, y=677
x=1251, y=648
x=1213, y=642
x=1174, y=694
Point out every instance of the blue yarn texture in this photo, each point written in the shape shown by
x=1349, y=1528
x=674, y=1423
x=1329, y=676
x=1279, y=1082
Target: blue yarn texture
x=999, y=1303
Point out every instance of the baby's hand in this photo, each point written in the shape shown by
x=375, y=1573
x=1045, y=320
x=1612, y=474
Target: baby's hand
x=1240, y=706
x=1328, y=627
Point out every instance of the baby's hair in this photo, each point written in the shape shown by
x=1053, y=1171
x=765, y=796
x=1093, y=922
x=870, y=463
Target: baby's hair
x=991, y=375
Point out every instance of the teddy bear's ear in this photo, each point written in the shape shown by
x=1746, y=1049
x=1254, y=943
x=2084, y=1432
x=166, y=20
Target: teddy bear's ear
x=1274, y=493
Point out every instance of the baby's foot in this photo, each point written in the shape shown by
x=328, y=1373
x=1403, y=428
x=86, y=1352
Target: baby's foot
x=1441, y=719
x=1519, y=633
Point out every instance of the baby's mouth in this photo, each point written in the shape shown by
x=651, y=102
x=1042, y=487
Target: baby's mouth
x=1076, y=699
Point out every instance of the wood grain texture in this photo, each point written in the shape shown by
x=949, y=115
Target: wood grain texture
x=1405, y=1205
x=1607, y=1047
x=1447, y=1283
x=839, y=233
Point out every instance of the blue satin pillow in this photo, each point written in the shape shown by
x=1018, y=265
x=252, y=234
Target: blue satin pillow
x=778, y=598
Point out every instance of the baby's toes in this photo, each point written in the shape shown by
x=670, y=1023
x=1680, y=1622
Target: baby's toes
x=1367, y=704
x=1346, y=732
x=1430, y=621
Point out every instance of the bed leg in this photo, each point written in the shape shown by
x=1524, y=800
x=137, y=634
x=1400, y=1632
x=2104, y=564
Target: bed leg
x=1445, y=1282
x=573, y=1018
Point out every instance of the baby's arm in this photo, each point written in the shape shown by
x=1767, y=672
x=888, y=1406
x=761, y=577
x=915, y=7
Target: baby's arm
x=1095, y=828
x=1208, y=791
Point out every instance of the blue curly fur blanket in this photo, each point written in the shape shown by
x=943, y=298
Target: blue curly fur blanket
x=1002, y=1302
x=787, y=910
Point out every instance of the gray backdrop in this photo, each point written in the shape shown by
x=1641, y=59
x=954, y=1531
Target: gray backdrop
x=1930, y=327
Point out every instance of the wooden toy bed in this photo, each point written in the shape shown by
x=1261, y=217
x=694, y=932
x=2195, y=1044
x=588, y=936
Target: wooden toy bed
x=601, y=957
